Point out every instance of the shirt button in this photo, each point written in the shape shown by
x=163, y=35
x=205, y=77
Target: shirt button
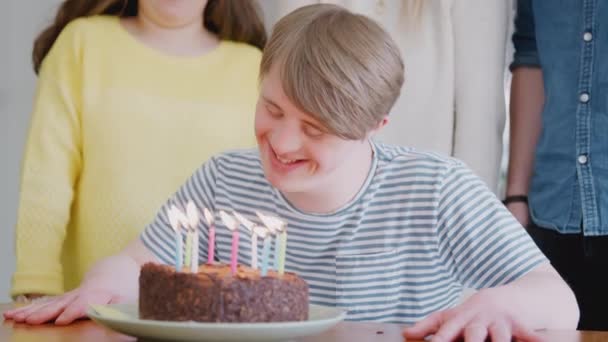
x=587, y=36
x=584, y=97
x=582, y=159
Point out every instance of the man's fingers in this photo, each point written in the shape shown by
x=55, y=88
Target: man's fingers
x=499, y=332
x=425, y=327
x=452, y=328
x=476, y=332
x=523, y=333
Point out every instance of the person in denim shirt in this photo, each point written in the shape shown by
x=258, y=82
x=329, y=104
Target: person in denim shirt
x=559, y=147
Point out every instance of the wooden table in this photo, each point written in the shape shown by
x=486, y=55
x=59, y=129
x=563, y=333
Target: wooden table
x=86, y=330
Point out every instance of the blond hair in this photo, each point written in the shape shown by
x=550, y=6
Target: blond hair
x=341, y=68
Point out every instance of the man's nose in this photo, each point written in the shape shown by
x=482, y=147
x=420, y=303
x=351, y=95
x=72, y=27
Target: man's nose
x=287, y=139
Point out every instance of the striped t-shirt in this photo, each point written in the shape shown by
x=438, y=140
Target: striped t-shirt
x=421, y=228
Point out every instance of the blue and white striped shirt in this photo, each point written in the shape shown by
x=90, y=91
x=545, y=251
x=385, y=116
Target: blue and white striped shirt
x=421, y=228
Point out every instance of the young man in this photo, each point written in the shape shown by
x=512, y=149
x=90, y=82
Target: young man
x=388, y=233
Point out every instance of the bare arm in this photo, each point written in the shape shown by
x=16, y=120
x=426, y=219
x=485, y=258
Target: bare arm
x=111, y=280
x=538, y=300
x=527, y=98
x=541, y=299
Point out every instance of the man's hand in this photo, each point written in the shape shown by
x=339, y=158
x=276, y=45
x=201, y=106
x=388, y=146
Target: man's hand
x=479, y=318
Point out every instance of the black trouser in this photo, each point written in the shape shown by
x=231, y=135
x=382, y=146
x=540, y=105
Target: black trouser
x=583, y=263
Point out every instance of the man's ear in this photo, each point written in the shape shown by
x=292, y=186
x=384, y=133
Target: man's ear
x=379, y=126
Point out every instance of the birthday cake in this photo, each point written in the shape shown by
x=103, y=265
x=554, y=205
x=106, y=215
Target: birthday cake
x=214, y=294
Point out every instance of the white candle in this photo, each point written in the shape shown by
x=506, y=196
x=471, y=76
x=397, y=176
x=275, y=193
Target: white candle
x=193, y=218
x=265, y=251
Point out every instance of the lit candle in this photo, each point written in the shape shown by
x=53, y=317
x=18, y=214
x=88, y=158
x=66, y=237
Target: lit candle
x=211, y=245
x=179, y=244
x=264, y=234
x=183, y=221
x=283, y=250
x=254, y=238
x=261, y=232
x=278, y=227
x=231, y=223
x=192, y=215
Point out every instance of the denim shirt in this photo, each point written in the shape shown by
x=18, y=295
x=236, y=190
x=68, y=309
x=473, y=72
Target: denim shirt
x=568, y=39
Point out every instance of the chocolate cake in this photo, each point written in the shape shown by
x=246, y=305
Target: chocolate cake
x=215, y=295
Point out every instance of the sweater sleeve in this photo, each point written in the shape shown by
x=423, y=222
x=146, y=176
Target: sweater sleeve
x=51, y=165
x=480, y=35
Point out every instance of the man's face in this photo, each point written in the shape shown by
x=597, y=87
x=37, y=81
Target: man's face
x=298, y=153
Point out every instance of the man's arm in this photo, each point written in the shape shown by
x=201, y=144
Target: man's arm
x=111, y=280
x=527, y=98
x=531, y=297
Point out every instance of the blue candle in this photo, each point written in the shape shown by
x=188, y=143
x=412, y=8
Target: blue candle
x=179, y=248
x=265, y=252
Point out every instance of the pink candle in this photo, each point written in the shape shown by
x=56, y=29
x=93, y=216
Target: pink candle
x=235, y=251
x=211, y=246
x=231, y=224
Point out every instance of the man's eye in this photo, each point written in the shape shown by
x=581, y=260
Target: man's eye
x=313, y=132
x=274, y=112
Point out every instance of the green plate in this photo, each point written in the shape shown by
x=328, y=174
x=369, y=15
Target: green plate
x=124, y=318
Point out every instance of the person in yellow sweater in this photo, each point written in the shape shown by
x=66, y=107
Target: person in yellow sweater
x=131, y=96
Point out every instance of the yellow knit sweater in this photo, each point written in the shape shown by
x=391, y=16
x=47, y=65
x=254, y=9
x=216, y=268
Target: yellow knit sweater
x=116, y=128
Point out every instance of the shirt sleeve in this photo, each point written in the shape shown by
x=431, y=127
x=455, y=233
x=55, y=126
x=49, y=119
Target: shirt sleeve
x=160, y=238
x=51, y=165
x=524, y=37
x=482, y=242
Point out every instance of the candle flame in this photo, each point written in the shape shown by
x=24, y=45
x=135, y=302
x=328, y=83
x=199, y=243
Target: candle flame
x=208, y=216
x=274, y=224
x=180, y=217
x=192, y=214
x=244, y=221
x=260, y=231
x=173, y=221
x=228, y=220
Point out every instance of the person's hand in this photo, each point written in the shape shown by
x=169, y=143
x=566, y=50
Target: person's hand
x=63, y=309
x=520, y=211
x=477, y=319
